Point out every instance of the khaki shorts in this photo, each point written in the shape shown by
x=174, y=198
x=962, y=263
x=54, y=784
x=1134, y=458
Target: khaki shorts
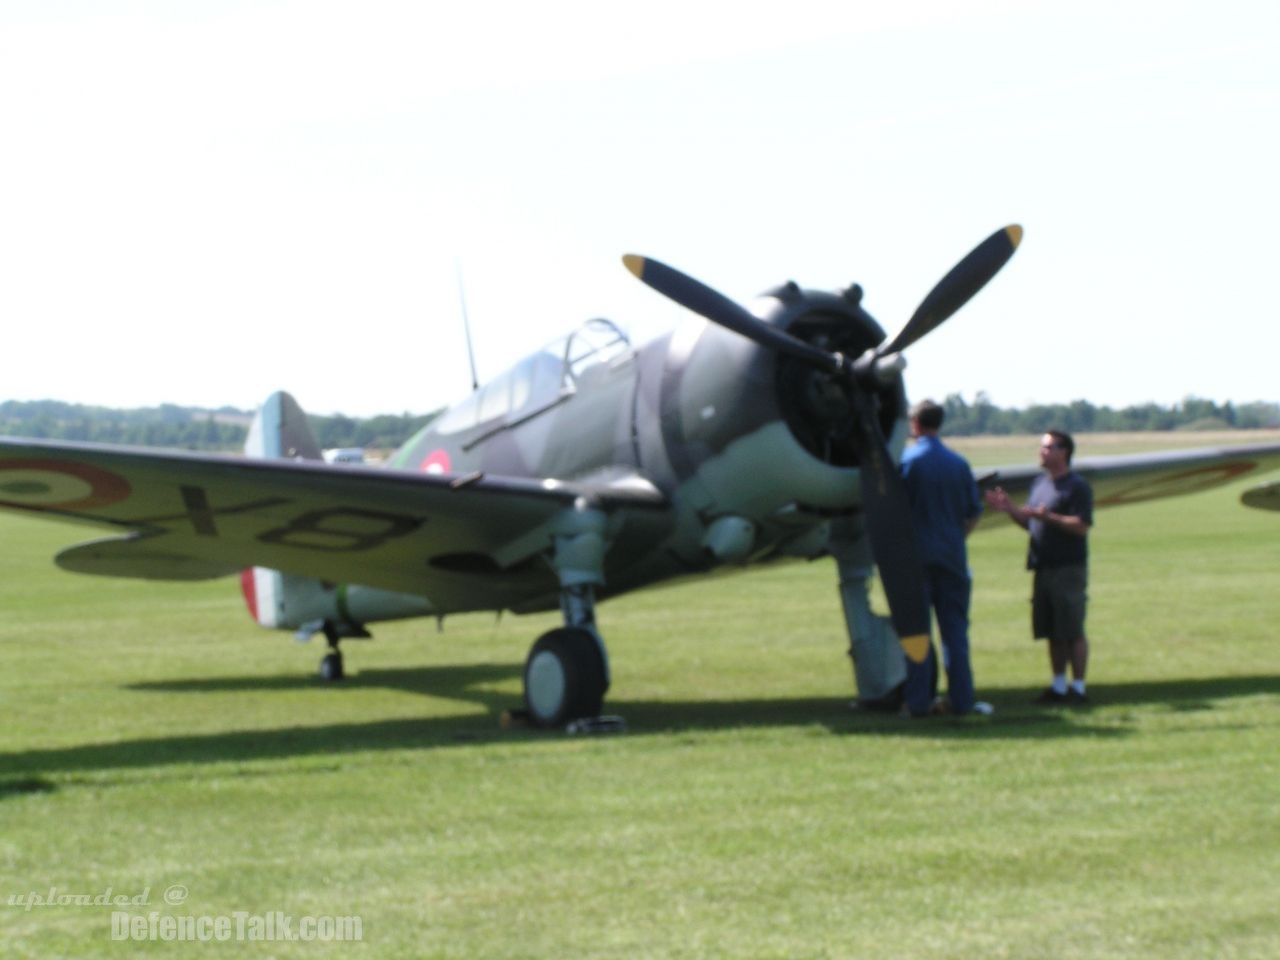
x=1058, y=602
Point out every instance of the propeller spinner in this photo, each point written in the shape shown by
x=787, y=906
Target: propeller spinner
x=886, y=508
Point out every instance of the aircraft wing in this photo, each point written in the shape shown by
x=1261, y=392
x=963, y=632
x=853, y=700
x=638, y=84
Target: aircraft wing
x=462, y=540
x=1121, y=480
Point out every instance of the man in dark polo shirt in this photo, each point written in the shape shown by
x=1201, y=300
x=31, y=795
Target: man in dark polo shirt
x=945, y=506
x=1058, y=515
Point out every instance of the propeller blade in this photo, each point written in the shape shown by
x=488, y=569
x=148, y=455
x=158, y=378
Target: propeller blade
x=719, y=309
x=889, y=525
x=956, y=289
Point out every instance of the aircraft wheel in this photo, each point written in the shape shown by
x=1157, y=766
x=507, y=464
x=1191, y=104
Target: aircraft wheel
x=564, y=677
x=331, y=666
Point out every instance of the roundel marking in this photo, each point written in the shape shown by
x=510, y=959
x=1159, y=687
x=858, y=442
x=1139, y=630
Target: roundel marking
x=1188, y=481
x=437, y=461
x=59, y=485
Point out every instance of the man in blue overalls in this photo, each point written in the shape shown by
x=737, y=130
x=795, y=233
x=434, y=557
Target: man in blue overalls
x=945, y=507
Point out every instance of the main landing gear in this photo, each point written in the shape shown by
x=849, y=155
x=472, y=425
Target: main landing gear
x=567, y=671
x=879, y=668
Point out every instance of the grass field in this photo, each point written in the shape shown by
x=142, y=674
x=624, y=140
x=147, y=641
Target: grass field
x=155, y=739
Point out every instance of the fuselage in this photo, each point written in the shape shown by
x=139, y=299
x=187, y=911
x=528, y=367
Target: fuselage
x=696, y=413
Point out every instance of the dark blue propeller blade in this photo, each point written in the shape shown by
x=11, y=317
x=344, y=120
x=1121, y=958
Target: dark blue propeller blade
x=957, y=288
x=719, y=309
x=886, y=513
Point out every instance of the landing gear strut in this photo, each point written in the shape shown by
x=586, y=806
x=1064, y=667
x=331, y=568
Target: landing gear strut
x=879, y=667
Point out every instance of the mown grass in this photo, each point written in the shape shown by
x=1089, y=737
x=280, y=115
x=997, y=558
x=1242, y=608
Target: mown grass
x=153, y=736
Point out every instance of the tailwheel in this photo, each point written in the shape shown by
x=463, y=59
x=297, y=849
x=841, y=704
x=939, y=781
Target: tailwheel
x=564, y=677
x=331, y=666
x=331, y=663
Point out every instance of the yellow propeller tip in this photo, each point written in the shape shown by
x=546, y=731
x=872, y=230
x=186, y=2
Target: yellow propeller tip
x=916, y=647
x=634, y=263
x=1014, y=232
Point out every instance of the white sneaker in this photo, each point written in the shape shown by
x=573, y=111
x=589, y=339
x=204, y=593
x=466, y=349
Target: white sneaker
x=982, y=708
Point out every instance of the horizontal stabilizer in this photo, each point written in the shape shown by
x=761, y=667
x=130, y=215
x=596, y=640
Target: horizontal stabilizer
x=139, y=558
x=1265, y=497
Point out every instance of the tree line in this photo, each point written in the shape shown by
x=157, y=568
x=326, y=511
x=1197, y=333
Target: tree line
x=981, y=416
x=190, y=428
x=193, y=428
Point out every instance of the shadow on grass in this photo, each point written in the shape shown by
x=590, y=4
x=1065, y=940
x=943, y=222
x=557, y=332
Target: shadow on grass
x=25, y=772
x=450, y=682
x=18, y=786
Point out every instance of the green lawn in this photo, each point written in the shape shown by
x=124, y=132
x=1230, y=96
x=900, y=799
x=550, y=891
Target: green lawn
x=153, y=736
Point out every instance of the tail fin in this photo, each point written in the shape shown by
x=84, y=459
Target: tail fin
x=304, y=604
x=279, y=431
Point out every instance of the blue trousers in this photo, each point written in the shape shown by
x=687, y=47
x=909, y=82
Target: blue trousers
x=947, y=593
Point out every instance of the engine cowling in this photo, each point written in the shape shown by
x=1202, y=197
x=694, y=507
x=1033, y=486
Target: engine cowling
x=815, y=406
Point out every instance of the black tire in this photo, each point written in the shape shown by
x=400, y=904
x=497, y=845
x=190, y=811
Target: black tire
x=331, y=667
x=564, y=677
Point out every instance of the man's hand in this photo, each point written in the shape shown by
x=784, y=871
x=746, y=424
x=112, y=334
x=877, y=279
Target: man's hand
x=998, y=499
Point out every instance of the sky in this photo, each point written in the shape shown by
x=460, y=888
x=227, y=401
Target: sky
x=203, y=202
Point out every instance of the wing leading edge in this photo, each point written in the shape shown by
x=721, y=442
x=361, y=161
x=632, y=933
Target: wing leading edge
x=1121, y=480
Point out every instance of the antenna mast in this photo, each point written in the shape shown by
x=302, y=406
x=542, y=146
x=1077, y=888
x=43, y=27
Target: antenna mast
x=466, y=328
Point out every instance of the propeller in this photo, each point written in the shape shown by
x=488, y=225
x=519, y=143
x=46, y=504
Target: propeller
x=886, y=508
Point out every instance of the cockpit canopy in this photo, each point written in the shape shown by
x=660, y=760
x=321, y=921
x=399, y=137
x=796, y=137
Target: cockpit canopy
x=540, y=380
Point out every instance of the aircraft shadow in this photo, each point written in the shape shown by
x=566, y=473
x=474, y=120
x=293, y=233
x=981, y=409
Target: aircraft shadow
x=29, y=771
x=451, y=682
